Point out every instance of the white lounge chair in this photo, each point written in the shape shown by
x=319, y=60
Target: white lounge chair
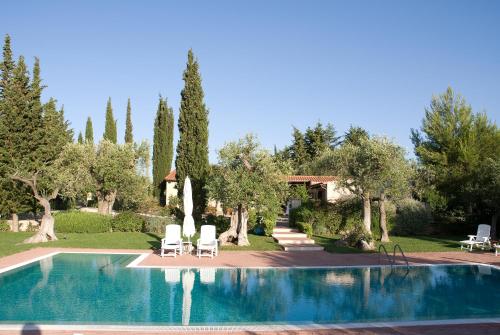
x=172, y=241
x=207, y=242
x=481, y=239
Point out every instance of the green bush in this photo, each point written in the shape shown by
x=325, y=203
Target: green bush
x=355, y=235
x=412, y=218
x=220, y=222
x=4, y=226
x=253, y=219
x=128, y=222
x=300, y=214
x=305, y=228
x=81, y=222
x=156, y=224
x=269, y=222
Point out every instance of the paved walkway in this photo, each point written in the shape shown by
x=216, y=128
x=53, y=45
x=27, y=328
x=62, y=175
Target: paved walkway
x=269, y=258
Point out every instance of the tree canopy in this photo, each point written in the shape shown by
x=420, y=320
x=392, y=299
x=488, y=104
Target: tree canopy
x=453, y=145
x=247, y=176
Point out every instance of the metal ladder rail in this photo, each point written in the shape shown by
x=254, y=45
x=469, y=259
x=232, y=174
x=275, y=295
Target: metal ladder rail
x=397, y=246
x=386, y=253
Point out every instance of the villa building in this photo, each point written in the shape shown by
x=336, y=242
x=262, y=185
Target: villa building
x=321, y=188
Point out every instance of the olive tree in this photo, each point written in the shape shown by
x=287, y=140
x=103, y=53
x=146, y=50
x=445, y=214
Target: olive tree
x=246, y=177
x=65, y=176
x=391, y=177
x=108, y=171
x=371, y=168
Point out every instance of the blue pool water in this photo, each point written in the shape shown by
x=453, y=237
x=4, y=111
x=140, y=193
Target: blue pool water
x=99, y=289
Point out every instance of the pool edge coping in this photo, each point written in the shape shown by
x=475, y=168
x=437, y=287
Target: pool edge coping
x=135, y=263
x=246, y=328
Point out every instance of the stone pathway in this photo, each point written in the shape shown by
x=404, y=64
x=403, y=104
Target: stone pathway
x=291, y=239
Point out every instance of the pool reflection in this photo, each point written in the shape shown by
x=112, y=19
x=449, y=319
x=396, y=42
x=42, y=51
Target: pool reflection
x=83, y=288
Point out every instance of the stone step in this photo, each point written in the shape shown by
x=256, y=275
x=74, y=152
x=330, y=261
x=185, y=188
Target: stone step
x=288, y=240
x=293, y=247
x=279, y=229
x=287, y=235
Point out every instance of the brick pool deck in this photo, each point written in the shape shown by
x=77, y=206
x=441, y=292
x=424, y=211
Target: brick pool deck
x=276, y=259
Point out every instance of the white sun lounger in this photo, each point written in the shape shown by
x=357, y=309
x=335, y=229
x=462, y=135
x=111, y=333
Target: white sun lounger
x=207, y=242
x=172, y=241
x=481, y=239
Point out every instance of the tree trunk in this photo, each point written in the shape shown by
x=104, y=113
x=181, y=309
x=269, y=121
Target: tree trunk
x=367, y=213
x=230, y=235
x=46, y=232
x=494, y=220
x=237, y=232
x=383, y=219
x=105, y=202
x=242, y=232
x=15, y=223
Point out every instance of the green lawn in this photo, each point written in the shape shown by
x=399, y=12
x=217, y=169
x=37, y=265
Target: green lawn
x=408, y=244
x=11, y=243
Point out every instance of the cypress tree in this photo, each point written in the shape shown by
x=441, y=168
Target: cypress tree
x=299, y=153
x=192, y=148
x=162, y=148
x=89, y=132
x=6, y=67
x=110, y=125
x=80, y=138
x=129, y=138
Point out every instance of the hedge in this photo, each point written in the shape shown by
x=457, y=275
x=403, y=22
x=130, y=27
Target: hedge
x=81, y=222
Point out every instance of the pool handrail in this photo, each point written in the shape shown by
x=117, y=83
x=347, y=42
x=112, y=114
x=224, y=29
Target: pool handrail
x=386, y=253
x=397, y=246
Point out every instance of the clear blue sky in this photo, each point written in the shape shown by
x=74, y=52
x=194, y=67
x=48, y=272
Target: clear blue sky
x=266, y=65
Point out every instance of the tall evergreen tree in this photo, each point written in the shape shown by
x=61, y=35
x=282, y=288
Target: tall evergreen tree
x=162, y=148
x=80, y=138
x=298, y=149
x=192, y=148
x=110, y=125
x=6, y=66
x=89, y=132
x=20, y=135
x=129, y=137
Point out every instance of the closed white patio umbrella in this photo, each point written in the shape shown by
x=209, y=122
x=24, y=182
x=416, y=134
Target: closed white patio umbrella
x=188, y=228
x=187, y=287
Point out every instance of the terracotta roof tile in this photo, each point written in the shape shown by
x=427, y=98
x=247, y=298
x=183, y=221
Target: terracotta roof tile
x=310, y=179
x=171, y=176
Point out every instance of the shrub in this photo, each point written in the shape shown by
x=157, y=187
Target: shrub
x=128, y=222
x=300, y=214
x=81, y=222
x=355, y=235
x=220, y=222
x=269, y=222
x=412, y=218
x=156, y=225
x=4, y=226
x=305, y=228
x=253, y=220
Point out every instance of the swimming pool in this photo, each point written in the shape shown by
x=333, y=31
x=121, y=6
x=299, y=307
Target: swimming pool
x=99, y=289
